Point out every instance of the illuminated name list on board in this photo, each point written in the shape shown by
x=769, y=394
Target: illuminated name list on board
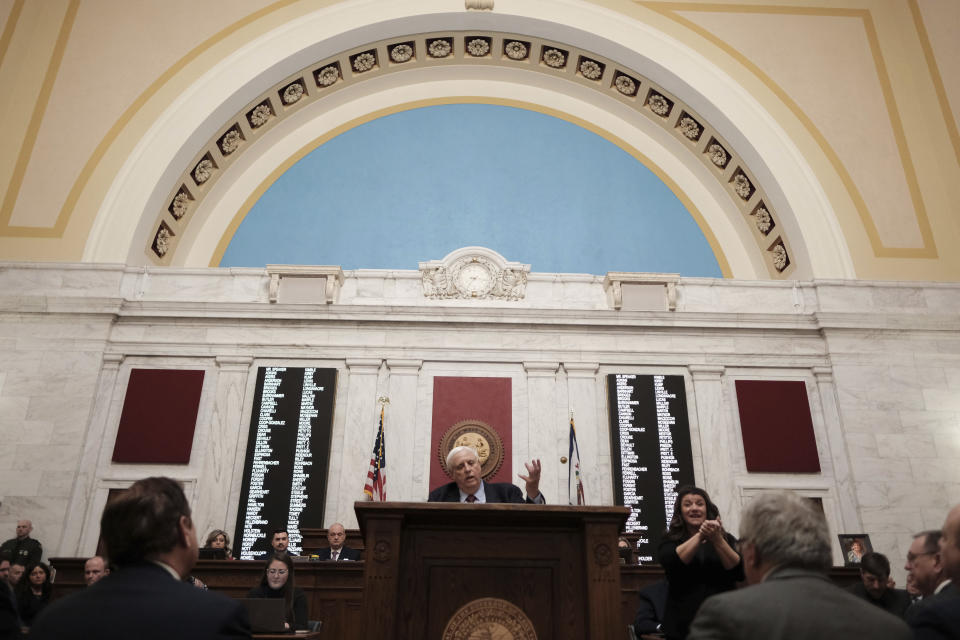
x=650, y=443
x=288, y=453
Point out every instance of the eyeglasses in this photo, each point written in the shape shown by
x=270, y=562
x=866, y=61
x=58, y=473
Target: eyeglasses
x=277, y=572
x=912, y=557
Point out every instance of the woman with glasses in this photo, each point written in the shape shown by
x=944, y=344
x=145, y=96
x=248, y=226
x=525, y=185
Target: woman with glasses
x=277, y=582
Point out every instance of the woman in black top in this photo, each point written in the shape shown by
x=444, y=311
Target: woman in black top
x=277, y=582
x=33, y=592
x=698, y=557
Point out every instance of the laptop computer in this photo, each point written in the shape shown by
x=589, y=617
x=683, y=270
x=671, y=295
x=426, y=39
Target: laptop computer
x=266, y=614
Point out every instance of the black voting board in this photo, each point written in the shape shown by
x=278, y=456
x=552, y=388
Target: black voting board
x=650, y=452
x=288, y=456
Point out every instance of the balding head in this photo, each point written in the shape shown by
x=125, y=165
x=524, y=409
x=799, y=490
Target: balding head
x=94, y=569
x=950, y=545
x=24, y=527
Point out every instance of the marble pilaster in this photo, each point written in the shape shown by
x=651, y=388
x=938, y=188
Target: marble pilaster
x=77, y=539
x=224, y=449
x=354, y=438
x=842, y=470
x=716, y=441
x=406, y=480
x=585, y=404
x=547, y=433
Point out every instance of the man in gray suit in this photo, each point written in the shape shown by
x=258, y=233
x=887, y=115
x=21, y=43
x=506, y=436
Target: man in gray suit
x=786, y=553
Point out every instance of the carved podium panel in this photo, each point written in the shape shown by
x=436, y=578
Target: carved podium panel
x=450, y=571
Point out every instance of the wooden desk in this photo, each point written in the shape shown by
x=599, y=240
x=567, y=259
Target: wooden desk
x=299, y=635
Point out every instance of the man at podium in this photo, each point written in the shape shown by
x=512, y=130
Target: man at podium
x=468, y=485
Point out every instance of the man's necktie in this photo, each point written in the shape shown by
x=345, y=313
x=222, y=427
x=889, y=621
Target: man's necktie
x=333, y=555
x=471, y=498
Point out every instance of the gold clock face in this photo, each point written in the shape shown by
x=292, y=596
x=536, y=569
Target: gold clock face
x=474, y=279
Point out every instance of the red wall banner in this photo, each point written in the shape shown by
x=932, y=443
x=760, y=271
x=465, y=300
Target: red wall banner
x=489, y=400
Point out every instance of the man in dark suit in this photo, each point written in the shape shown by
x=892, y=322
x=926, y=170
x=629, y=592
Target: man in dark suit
x=874, y=585
x=785, y=545
x=337, y=551
x=150, y=537
x=468, y=485
x=938, y=617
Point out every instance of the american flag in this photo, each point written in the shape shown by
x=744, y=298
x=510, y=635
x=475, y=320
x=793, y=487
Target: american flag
x=574, y=478
x=376, y=486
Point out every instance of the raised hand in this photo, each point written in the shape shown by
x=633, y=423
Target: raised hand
x=532, y=478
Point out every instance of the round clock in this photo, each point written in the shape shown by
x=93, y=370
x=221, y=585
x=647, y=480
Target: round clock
x=474, y=279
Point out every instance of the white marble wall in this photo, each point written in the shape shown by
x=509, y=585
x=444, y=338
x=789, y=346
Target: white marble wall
x=881, y=363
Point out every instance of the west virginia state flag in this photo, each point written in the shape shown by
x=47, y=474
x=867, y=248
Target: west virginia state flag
x=574, y=478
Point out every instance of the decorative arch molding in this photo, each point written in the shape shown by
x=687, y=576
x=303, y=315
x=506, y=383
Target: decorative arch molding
x=190, y=192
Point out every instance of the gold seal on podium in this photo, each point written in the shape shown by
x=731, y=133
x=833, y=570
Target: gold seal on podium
x=489, y=619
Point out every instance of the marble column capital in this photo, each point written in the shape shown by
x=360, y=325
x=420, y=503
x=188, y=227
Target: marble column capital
x=404, y=367
x=581, y=369
x=823, y=374
x=541, y=369
x=364, y=365
x=113, y=360
x=234, y=363
x=706, y=371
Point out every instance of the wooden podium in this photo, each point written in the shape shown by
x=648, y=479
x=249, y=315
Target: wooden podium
x=448, y=571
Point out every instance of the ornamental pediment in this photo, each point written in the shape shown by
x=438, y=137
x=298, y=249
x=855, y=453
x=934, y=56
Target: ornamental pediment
x=474, y=273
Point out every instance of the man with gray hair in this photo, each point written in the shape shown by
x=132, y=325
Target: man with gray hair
x=785, y=546
x=463, y=463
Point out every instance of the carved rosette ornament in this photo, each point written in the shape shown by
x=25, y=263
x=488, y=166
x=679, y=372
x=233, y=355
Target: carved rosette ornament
x=516, y=50
x=259, y=116
x=230, y=141
x=203, y=171
x=741, y=184
x=718, y=155
x=625, y=85
x=780, y=260
x=690, y=128
x=659, y=105
x=328, y=75
x=364, y=62
x=292, y=93
x=381, y=551
x=480, y=436
x=554, y=58
x=474, y=273
x=762, y=217
x=401, y=53
x=161, y=242
x=591, y=70
x=178, y=208
x=478, y=47
x=489, y=619
x=440, y=48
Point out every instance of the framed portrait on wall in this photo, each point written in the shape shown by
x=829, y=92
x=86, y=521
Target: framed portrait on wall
x=854, y=545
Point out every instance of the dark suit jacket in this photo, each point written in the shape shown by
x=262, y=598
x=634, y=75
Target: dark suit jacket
x=792, y=604
x=346, y=553
x=142, y=601
x=937, y=617
x=494, y=491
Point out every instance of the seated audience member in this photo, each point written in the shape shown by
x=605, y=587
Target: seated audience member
x=938, y=617
x=219, y=540
x=653, y=600
x=150, y=538
x=17, y=569
x=924, y=569
x=625, y=551
x=786, y=555
x=23, y=548
x=277, y=582
x=94, y=569
x=33, y=593
x=9, y=619
x=280, y=541
x=874, y=585
x=337, y=551
x=463, y=463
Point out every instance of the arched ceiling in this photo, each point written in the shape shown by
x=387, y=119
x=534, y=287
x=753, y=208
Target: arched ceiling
x=688, y=54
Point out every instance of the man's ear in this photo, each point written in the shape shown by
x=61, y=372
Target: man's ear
x=184, y=530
